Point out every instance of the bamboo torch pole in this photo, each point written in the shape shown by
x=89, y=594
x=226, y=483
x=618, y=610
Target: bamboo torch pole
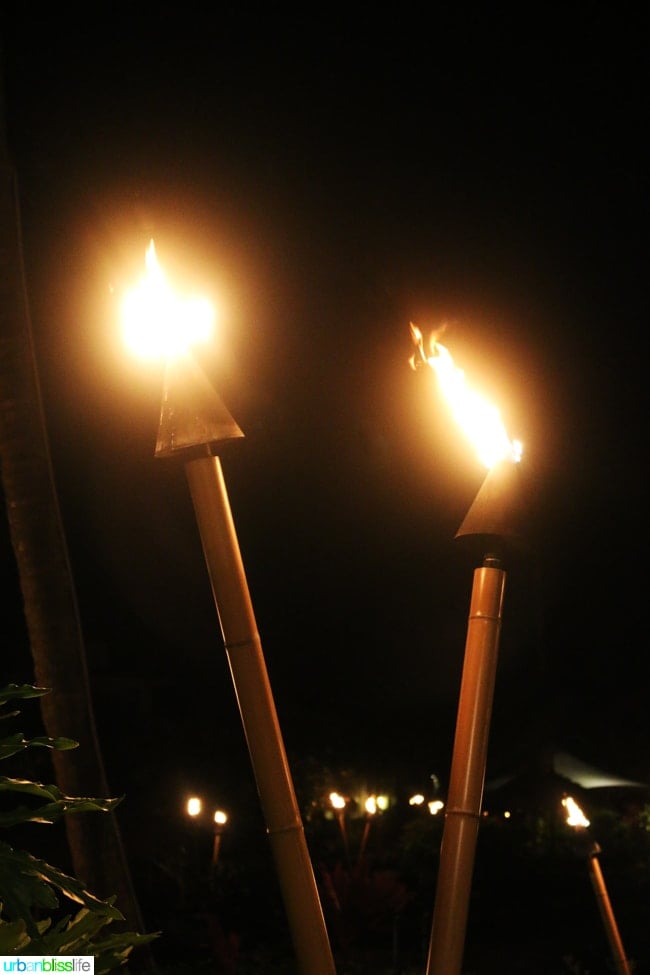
x=493, y=517
x=576, y=818
x=195, y=424
x=607, y=914
x=467, y=771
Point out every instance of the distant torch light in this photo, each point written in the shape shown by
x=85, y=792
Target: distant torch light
x=337, y=801
x=574, y=814
x=576, y=818
x=194, y=807
x=371, y=805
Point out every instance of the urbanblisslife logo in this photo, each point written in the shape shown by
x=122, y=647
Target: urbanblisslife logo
x=83, y=964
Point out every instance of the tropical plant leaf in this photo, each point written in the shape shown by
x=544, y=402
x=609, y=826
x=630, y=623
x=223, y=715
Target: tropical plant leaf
x=29, y=887
x=12, y=744
x=52, y=812
x=22, y=889
x=27, y=884
x=13, y=937
x=77, y=935
x=60, y=743
x=71, y=932
x=39, y=789
x=49, y=812
x=17, y=742
x=21, y=691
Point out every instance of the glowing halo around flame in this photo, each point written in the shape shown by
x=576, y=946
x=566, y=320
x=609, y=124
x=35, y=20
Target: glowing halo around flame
x=157, y=323
x=479, y=419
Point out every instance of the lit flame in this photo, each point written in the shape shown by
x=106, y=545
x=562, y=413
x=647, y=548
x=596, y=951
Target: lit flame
x=435, y=806
x=220, y=817
x=371, y=805
x=194, y=806
x=158, y=323
x=479, y=419
x=575, y=815
x=338, y=802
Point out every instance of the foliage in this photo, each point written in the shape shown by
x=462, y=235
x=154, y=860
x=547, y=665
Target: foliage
x=31, y=918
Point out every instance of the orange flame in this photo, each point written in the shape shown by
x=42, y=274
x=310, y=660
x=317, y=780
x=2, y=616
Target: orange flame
x=157, y=323
x=338, y=802
x=479, y=419
x=371, y=805
x=194, y=806
x=575, y=815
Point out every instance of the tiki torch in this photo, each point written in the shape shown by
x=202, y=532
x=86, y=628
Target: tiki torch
x=338, y=804
x=489, y=518
x=219, y=820
x=194, y=426
x=576, y=818
x=371, y=808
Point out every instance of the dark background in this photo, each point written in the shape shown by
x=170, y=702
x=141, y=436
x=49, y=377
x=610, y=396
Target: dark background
x=328, y=177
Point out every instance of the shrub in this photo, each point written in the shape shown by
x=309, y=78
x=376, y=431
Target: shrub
x=32, y=918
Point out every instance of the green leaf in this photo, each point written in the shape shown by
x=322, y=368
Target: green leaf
x=31, y=888
x=17, y=742
x=9, y=714
x=77, y=935
x=60, y=744
x=52, y=812
x=8, y=784
x=12, y=744
x=22, y=691
x=72, y=932
x=13, y=937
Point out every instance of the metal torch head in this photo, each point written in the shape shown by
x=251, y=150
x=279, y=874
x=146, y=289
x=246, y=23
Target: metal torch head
x=193, y=418
x=498, y=519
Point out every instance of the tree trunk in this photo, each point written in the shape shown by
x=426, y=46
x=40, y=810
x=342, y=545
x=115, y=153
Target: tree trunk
x=49, y=597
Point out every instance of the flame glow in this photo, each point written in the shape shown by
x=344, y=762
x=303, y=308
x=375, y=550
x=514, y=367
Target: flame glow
x=194, y=806
x=220, y=817
x=158, y=323
x=338, y=802
x=479, y=419
x=575, y=815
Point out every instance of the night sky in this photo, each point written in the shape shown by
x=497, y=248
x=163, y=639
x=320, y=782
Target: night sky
x=327, y=180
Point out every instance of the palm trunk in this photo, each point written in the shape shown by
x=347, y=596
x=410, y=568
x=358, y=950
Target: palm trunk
x=49, y=597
